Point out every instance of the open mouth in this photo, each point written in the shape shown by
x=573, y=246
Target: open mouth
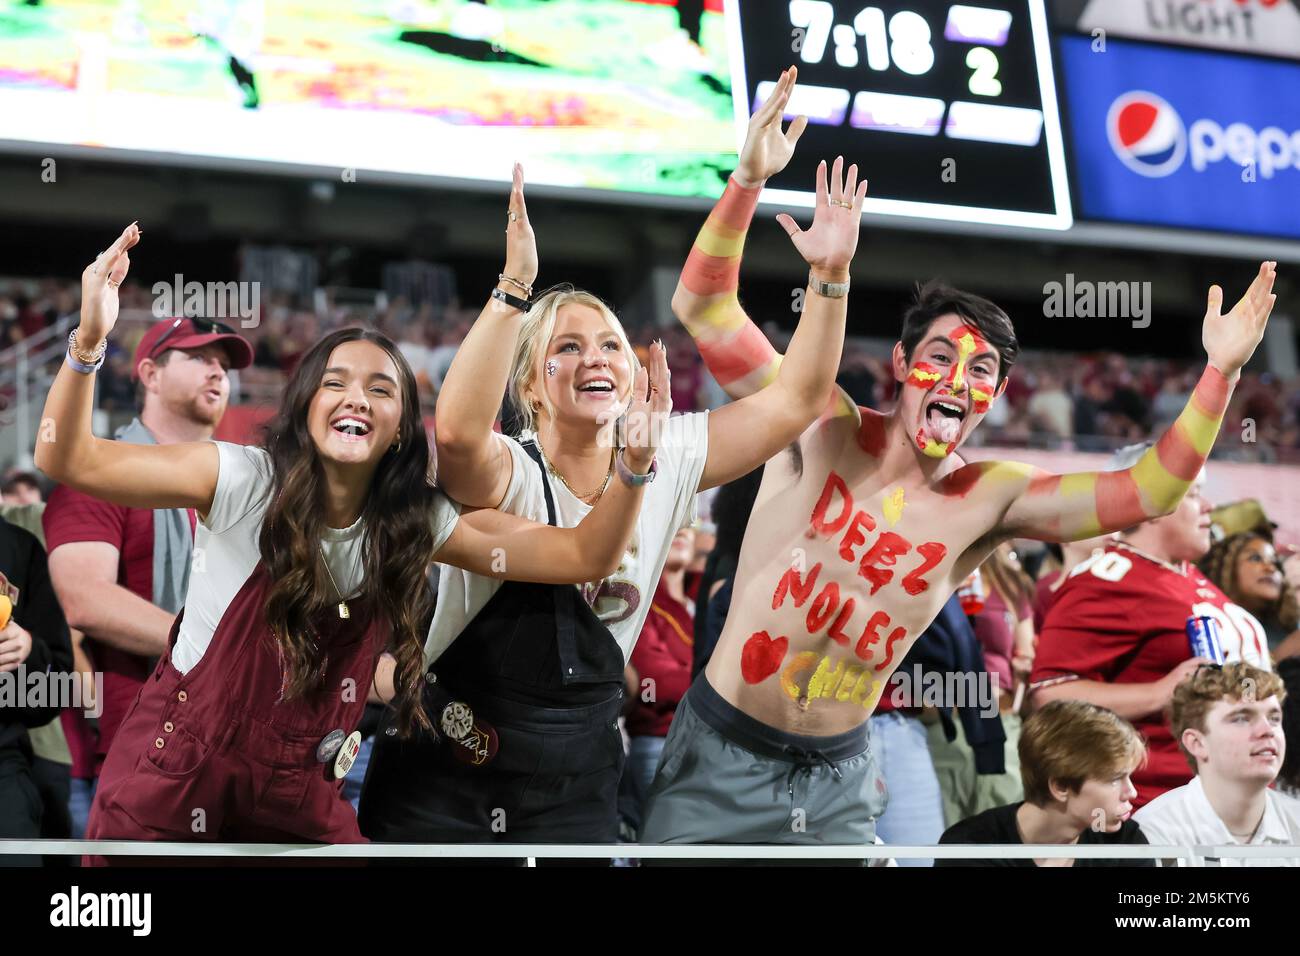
x=944, y=419
x=601, y=387
x=1268, y=753
x=352, y=429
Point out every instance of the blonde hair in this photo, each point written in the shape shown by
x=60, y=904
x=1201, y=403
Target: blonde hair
x=534, y=335
x=1071, y=741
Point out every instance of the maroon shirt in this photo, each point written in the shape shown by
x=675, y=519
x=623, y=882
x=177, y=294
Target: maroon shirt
x=72, y=517
x=662, y=653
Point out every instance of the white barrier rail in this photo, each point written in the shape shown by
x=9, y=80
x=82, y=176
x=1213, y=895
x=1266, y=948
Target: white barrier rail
x=382, y=851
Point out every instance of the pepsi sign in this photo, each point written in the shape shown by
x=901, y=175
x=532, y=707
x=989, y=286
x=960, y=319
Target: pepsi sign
x=1186, y=138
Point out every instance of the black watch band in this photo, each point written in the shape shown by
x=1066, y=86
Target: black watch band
x=523, y=305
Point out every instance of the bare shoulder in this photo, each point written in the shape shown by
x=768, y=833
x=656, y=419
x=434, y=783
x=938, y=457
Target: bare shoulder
x=985, y=480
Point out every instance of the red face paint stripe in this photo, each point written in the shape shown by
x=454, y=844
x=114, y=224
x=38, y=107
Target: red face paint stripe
x=738, y=356
x=1118, y=502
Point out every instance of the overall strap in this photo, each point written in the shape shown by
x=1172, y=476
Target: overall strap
x=535, y=454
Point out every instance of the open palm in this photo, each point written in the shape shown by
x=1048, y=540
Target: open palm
x=832, y=239
x=1230, y=340
x=767, y=149
x=99, y=282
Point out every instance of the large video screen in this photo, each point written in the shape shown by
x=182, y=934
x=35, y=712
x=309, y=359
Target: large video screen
x=594, y=94
x=948, y=108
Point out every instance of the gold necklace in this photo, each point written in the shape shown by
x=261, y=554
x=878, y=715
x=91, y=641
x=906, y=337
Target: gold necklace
x=343, y=605
x=599, y=494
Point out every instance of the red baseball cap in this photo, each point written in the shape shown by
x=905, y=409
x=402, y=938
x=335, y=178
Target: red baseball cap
x=191, y=334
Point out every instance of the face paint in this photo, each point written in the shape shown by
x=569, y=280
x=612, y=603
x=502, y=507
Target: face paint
x=871, y=435
x=893, y=506
x=940, y=434
x=762, y=656
x=923, y=375
x=832, y=679
x=551, y=367
x=932, y=448
x=800, y=663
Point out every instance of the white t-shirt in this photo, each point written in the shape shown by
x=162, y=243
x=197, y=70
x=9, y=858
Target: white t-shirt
x=1184, y=817
x=226, y=547
x=622, y=600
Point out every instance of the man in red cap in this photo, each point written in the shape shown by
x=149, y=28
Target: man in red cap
x=121, y=573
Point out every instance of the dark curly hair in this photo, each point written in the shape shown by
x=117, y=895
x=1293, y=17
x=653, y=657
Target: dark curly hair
x=1220, y=565
x=398, y=543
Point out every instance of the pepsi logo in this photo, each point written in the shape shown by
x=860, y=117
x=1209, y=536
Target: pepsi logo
x=1146, y=134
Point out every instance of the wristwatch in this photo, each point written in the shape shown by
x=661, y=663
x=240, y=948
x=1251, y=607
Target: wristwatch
x=831, y=290
x=631, y=478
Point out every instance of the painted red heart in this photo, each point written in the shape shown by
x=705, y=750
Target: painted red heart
x=762, y=656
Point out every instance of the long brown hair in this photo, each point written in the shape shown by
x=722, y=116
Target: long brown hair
x=1012, y=583
x=1220, y=566
x=396, y=549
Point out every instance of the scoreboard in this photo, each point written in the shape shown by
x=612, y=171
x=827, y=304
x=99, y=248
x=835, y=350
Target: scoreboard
x=949, y=109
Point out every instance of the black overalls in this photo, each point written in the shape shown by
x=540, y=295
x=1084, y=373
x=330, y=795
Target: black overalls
x=525, y=702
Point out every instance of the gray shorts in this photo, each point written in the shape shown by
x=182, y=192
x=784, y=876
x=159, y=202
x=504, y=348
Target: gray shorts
x=725, y=777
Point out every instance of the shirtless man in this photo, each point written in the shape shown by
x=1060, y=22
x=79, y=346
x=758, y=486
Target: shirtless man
x=858, y=538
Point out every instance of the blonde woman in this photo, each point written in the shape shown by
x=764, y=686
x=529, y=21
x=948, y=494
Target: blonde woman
x=541, y=668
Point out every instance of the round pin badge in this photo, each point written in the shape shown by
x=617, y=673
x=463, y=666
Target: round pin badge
x=329, y=746
x=457, y=720
x=478, y=747
x=347, y=755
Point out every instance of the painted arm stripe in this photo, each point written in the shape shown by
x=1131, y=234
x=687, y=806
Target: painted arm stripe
x=717, y=321
x=716, y=239
x=1119, y=503
x=1079, y=498
x=709, y=275
x=739, y=355
x=735, y=208
x=1176, y=456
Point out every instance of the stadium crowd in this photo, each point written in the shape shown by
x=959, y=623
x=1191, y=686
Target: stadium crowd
x=1092, y=401
x=1110, y=731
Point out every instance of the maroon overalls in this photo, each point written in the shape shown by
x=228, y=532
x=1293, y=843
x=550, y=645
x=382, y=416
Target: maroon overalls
x=220, y=739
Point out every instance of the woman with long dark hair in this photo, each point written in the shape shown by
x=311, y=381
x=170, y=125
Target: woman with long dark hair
x=309, y=560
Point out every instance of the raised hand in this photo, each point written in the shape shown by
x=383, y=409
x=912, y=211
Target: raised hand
x=99, y=282
x=828, y=245
x=767, y=149
x=648, y=409
x=521, y=244
x=1230, y=339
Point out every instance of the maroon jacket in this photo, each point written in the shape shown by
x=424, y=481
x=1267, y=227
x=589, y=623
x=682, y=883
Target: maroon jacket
x=663, y=654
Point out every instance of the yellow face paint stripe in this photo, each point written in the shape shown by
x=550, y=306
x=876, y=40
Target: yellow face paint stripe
x=965, y=347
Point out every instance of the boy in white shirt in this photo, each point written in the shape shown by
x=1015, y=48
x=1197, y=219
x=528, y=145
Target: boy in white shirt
x=1228, y=721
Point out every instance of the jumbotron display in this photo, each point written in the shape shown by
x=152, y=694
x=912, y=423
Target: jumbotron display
x=949, y=108
x=596, y=94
